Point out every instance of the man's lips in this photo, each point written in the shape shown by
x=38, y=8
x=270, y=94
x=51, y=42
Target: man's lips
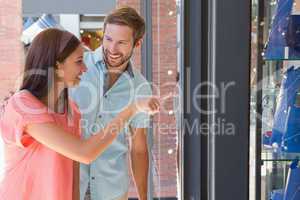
x=113, y=56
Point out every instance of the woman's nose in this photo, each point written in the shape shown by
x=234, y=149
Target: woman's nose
x=84, y=68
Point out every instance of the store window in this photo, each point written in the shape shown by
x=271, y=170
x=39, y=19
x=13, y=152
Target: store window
x=164, y=73
x=165, y=79
x=274, y=131
x=91, y=30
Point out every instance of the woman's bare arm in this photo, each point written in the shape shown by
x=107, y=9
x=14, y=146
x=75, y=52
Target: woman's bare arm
x=86, y=150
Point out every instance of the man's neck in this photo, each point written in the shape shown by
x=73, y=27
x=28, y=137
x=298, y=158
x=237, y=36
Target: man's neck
x=112, y=78
x=113, y=74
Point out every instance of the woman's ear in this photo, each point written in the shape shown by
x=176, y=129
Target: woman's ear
x=57, y=65
x=58, y=70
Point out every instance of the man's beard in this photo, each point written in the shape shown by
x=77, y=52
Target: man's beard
x=123, y=60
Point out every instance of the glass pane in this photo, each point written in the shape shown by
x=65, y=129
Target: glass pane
x=274, y=79
x=166, y=70
x=253, y=78
x=165, y=73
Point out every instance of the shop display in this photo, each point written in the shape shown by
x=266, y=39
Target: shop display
x=92, y=39
x=275, y=47
x=280, y=173
x=284, y=37
x=293, y=37
x=286, y=128
x=45, y=21
x=27, y=22
x=292, y=189
x=277, y=195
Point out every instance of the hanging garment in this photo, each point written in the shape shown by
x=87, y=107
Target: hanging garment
x=292, y=188
x=286, y=127
x=28, y=21
x=44, y=22
x=276, y=44
x=293, y=37
x=284, y=37
x=277, y=195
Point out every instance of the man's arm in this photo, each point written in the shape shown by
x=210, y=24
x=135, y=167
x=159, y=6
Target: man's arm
x=140, y=160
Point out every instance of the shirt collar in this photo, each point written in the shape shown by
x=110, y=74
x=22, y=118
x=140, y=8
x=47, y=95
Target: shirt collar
x=98, y=57
x=129, y=70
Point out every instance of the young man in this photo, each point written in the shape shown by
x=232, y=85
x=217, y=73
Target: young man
x=107, y=87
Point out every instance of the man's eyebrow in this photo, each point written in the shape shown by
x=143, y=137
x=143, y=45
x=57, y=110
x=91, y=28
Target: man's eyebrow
x=107, y=36
x=123, y=40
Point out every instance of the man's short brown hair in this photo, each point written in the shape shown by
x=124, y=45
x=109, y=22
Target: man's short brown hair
x=127, y=16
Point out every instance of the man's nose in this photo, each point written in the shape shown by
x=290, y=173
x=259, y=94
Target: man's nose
x=113, y=48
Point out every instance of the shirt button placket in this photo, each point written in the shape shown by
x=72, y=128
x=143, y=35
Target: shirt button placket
x=92, y=188
x=92, y=183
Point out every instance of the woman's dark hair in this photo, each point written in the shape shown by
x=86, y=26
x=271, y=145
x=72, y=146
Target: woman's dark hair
x=48, y=47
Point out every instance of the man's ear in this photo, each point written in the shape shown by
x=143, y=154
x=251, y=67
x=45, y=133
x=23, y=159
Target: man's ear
x=138, y=43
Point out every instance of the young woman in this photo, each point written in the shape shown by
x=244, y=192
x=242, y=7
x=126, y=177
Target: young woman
x=40, y=124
